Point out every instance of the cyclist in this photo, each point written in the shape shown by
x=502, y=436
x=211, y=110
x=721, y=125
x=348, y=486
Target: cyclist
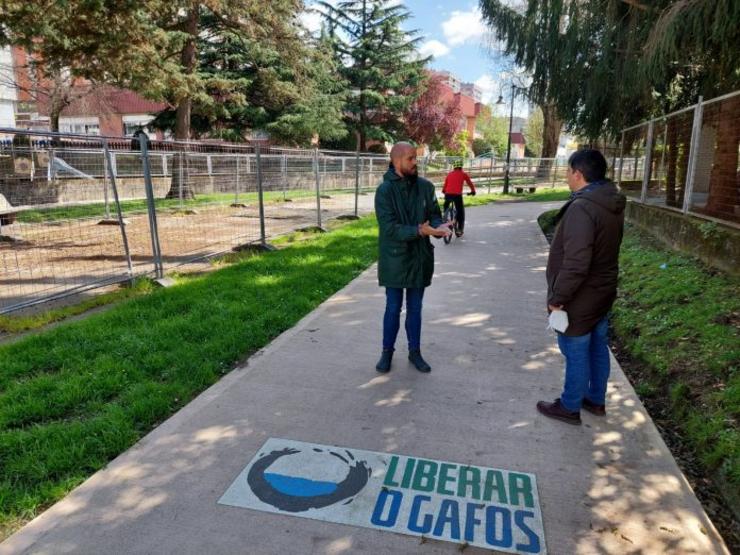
x=453, y=191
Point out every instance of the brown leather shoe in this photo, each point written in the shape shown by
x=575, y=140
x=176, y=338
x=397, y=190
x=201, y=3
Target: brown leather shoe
x=555, y=410
x=593, y=408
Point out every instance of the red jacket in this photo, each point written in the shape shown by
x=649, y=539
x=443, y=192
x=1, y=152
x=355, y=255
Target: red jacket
x=454, y=183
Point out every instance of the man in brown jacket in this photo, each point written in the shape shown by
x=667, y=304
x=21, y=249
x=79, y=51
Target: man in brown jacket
x=582, y=272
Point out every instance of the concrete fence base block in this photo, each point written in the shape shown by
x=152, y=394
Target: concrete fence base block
x=165, y=282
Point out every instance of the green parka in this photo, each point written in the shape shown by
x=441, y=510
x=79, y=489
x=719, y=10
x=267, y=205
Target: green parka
x=405, y=259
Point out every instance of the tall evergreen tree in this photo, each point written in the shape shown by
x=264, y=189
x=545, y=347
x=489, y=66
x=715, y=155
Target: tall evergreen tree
x=319, y=110
x=532, y=37
x=380, y=63
x=607, y=64
x=288, y=87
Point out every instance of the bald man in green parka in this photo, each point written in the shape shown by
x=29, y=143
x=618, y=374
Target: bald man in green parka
x=408, y=215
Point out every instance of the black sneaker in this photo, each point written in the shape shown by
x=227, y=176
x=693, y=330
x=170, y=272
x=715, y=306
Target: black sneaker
x=384, y=364
x=417, y=360
x=558, y=412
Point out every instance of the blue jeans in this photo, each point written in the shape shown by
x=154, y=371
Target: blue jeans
x=392, y=317
x=586, y=366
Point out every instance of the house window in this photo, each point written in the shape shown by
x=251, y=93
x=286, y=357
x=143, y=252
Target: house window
x=132, y=123
x=80, y=127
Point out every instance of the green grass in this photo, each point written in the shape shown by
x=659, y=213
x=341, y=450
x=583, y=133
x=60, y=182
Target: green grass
x=541, y=195
x=17, y=324
x=682, y=322
x=74, y=397
x=97, y=209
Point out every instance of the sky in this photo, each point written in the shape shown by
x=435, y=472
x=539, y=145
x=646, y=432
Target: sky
x=453, y=32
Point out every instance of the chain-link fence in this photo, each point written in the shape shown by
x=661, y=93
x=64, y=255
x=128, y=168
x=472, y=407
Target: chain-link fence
x=525, y=174
x=80, y=212
x=687, y=160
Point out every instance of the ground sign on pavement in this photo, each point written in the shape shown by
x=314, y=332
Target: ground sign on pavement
x=480, y=506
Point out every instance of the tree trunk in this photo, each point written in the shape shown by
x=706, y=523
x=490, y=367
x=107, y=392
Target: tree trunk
x=54, y=114
x=363, y=108
x=672, y=146
x=552, y=125
x=180, y=177
x=363, y=126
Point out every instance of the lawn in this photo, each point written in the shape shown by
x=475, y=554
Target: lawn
x=74, y=397
x=97, y=209
x=681, y=322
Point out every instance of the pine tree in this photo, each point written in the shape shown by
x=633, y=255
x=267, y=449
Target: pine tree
x=532, y=37
x=380, y=63
x=319, y=110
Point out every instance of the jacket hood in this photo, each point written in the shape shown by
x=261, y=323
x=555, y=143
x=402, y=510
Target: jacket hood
x=605, y=194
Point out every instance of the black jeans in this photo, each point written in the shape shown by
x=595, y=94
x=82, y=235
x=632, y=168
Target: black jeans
x=458, y=200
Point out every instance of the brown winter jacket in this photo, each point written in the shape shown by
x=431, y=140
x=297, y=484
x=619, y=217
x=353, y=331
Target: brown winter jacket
x=583, y=265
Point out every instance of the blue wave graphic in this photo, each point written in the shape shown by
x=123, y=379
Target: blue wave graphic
x=299, y=487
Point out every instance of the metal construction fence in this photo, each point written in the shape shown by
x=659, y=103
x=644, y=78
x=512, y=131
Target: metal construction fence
x=687, y=160
x=490, y=172
x=80, y=212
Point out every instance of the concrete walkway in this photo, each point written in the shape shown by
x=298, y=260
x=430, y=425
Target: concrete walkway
x=608, y=486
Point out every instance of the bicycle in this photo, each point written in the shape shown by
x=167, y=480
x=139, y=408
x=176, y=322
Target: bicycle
x=450, y=215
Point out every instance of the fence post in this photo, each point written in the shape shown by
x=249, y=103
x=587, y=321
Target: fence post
x=357, y=183
x=263, y=234
x=284, y=175
x=105, y=180
x=236, y=189
x=152, y=211
x=121, y=223
x=490, y=174
x=318, y=186
x=179, y=181
x=164, y=165
x=647, y=163
x=662, y=154
x=693, y=155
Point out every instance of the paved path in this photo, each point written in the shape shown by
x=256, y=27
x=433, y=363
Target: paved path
x=609, y=486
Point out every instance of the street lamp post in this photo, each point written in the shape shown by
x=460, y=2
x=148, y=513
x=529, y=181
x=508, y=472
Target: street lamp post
x=514, y=89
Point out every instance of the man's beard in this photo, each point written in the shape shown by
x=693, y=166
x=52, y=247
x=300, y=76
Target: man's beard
x=412, y=173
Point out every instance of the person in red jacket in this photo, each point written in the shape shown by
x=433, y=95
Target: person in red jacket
x=453, y=192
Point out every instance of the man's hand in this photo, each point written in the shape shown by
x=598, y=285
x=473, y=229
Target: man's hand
x=442, y=231
x=555, y=307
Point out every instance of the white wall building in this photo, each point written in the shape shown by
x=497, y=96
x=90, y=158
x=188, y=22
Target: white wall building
x=8, y=97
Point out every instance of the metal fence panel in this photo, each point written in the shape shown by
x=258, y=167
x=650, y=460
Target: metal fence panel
x=77, y=212
x=633, y=161
x=715, y=190
x=59, y=223
x=692, y=157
